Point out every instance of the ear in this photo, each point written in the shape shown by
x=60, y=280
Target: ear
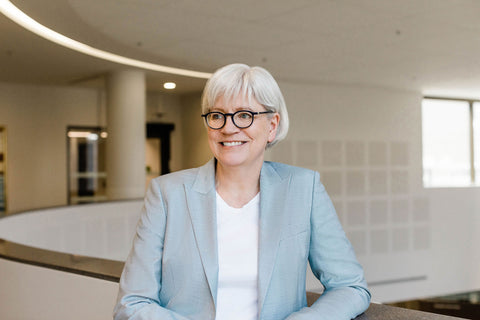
x=274, y=122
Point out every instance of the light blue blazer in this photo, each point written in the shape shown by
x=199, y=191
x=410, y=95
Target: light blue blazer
x=172, y=270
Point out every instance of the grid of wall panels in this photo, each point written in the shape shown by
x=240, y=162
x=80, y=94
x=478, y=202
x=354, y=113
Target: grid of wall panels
x=369, y=183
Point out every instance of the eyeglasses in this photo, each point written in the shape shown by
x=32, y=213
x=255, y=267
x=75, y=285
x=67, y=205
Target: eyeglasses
x=241, y=119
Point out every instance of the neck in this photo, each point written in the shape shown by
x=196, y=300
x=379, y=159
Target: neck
x=237, y=185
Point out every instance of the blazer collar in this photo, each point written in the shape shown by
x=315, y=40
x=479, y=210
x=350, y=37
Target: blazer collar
x=205, y=179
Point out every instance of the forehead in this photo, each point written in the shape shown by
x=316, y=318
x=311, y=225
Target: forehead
x=238, y=102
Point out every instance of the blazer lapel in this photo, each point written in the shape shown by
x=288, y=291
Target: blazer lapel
x=273, y=193
x=202, y=209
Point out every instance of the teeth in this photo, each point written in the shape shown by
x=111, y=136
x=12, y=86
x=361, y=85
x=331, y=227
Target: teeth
x=231, y=144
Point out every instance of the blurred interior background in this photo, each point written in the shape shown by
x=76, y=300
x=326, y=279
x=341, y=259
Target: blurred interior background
x=383, y=97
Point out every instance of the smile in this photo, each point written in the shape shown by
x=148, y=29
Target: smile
x=232, y=143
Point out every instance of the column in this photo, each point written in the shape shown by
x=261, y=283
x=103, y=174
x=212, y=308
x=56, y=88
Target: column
x=125, y=144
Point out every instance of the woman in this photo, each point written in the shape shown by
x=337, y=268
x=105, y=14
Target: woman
x=232, y=239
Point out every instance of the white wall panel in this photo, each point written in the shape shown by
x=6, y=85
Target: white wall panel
x=34, y=293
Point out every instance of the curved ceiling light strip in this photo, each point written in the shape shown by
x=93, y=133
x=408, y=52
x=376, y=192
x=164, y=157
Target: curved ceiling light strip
x=18, y=16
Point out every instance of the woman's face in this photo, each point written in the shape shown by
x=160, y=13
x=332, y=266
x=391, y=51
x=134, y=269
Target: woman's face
x=235, y=147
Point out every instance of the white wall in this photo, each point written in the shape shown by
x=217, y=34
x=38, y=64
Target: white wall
x=455, y=217
x=102, y=230
x=34, y=293
x=366, y=143
x=36, y=118
x=196, y=151
x=29, y=292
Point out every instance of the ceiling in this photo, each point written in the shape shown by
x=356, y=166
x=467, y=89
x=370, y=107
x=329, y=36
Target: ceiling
x=430, y=46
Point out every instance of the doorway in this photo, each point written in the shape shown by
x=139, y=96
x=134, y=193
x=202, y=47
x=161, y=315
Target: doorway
x=87, y=177
x=157, y=150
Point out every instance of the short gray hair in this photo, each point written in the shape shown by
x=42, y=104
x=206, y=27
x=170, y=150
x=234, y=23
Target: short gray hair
x=234, y=80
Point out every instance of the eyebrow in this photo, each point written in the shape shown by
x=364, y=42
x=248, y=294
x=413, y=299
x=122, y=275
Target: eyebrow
x=235, y=109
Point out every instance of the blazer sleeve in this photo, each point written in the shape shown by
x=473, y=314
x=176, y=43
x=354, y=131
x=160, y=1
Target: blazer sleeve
x=333, y=262
x=140, y=283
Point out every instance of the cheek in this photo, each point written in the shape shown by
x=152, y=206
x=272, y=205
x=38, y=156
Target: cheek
x=211, y=134
x=256, y=134
x=211, y=138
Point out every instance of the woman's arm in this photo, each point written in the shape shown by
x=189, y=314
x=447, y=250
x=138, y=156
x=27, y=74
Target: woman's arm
x=140, y=284
x=333, y=262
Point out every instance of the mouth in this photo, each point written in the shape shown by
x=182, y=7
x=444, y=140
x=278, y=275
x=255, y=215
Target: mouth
x=232, y=143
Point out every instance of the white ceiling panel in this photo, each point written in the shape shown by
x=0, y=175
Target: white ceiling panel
x=422, y=45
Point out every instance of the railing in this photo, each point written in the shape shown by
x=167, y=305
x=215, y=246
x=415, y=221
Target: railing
x=65, y=263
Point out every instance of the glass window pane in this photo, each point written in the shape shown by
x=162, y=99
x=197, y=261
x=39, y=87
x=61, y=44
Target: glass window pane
x=476, y=140
x=446, y=143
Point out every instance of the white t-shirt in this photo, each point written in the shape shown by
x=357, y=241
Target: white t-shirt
x=237, y=234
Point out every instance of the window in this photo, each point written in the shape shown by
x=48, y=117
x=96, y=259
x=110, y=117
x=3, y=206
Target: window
x=451, y=142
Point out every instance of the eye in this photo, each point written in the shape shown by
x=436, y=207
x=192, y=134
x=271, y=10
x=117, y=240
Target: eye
x=243, y=115
x=215, y=116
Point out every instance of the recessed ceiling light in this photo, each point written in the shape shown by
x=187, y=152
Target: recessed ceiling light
x=169, y=85
x=18, y=16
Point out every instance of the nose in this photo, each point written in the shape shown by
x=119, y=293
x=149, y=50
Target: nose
x=229, y=126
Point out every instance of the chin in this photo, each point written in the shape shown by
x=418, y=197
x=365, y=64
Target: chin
x=227, y=162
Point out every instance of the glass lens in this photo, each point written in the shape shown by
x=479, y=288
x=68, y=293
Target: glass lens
x=215, y=119
x=243, y=119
